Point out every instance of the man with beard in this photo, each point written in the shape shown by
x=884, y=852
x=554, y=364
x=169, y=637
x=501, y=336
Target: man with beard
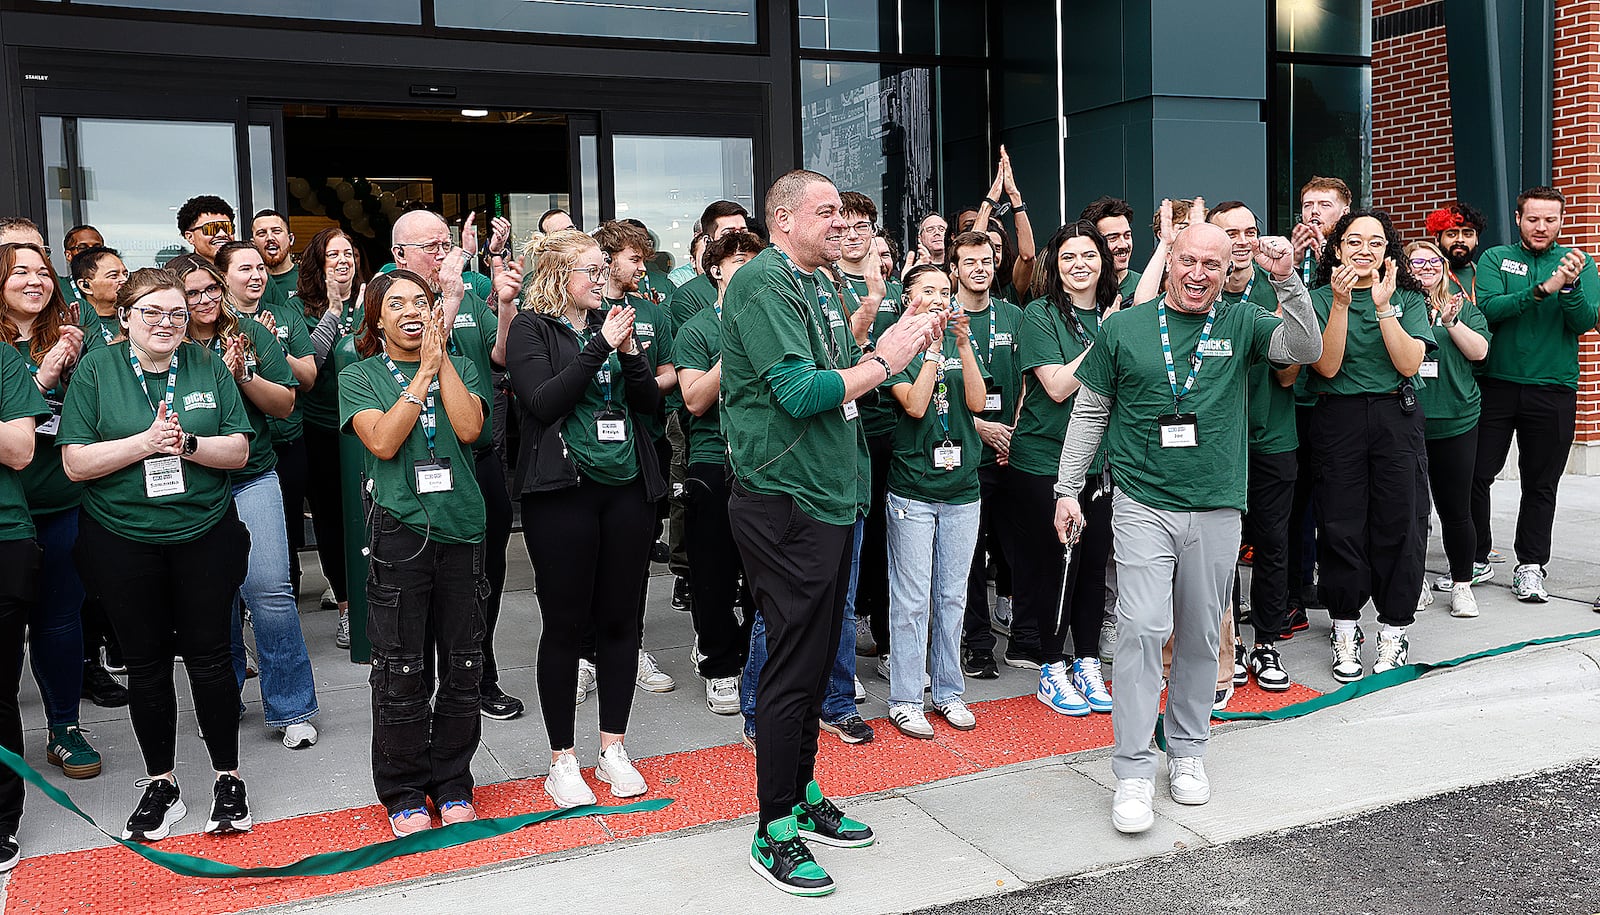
x=719, y=218
x=1538, y=297
x=270, y=231
x=1323, y=202
x=1178, y=450
x=1113, y=219
x=1455, y=229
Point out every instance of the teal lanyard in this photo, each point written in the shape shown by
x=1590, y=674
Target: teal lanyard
x=834, y=358
x=993, y=329
x=138, y=376
x=426, y=417
x=1308, y=268
x=1194, y=362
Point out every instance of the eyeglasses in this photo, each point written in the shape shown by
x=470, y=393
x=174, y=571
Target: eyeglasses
x=434, y=248
x=862, y=228
x=213, y=229
x=597, y=273
x=1418, y=263
x=210, y=292
x=155, y=317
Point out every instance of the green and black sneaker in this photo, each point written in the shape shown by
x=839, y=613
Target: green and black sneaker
x=819, y=820
x=778, y=855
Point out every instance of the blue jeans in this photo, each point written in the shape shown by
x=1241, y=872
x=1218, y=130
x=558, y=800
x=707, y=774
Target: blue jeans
x=55, y=627
x=840, y=702
x=288, y=694
x=930, y=554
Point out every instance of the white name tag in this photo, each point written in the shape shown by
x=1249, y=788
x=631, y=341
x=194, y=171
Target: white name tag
x=434, y=476
x=947, y=457
x=1217, y=348
x=851, y=411
x=1429, y=369
x=49, y=426
x=991, y=403
x=611, y=430
x=163, y=476
x=1179, y=431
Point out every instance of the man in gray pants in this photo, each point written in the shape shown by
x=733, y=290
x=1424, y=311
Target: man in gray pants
x=1165, y=388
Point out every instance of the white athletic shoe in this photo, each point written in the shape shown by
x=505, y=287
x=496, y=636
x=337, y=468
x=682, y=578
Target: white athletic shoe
x=1108, y=639
x=651, y=678
x=586, y=680
x=1186, y=779
x=722, y=695
x=565, y=783
x=1131, y=809
x=616, y=770
x=299, y=736
x=1463, y=603
x=1527, y=584
x=1425, y=600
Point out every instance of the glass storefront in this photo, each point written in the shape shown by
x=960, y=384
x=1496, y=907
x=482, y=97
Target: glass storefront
x=1321, y=109
x=666, y=182
x=406, y=12
x=728, y=21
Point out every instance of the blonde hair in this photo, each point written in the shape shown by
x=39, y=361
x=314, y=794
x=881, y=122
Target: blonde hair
x=1439, y=293
x=544, y=291
x=227, y=312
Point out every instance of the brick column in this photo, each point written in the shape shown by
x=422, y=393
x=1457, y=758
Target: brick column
x=1576, y=148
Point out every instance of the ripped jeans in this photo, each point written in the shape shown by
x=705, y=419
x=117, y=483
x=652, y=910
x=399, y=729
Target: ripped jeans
x=423, y=739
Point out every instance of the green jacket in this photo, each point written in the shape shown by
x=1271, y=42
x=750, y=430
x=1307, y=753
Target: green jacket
x=1535, y=339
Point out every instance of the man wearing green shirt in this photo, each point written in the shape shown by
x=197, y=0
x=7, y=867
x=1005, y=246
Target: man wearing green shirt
x=270, y=232
x=1538, y=297
x=1113, y=219
x=1176, y=442
x=791, y=373
x=1455, y=229
x=718, y=219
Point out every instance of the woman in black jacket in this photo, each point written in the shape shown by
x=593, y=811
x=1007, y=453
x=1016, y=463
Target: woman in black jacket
x=587, y=475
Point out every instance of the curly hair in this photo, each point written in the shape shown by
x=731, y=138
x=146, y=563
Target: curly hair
x=1395, y=250
x=313, y=285
x=545, y=291
x=47, y=326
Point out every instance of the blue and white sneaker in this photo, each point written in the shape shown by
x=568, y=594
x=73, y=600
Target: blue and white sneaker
x=1057, y=692
x=1091, y=684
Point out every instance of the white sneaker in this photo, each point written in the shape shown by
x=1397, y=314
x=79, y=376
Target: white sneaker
x=586, y=680
x=695, y=657
x=957, y=715
x=1108, y=639
x=861, y=692
x=1425, y=599
x=565, y=783
x=910, y=720
x=1527, y=584
x=1463, y=603
x=341, y=635
x=1000, y=617
x=1346, y=655
x=299, y=736
x=722, y=695
x=1131, y=809
x=616, y=769
x=1186, y=779
x=1480, y=574
x=1392, y=653
x=651, y=678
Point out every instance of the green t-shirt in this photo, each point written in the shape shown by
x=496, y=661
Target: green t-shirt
x=1461, y=280
x=453, y=516
x=690, y=298
x=652, y=330
x=44, y=479
x=1367, y=368
x=697, y=347
x=1272, y=420
x=20, y=399
x=1128, y=285
x=1449, y=396
x=1127, y=365
x=473, y=336
x=878, y=418
x=97, y=330
x=914, y=468
x=106, y=402
x=284, y=284
x=319, y=406
x=1535, y=340
x=770, y=314
x=272, y=364
x=1047, y=339
x=994, y=338
x=69, y=289
x=295, y=340
x=611, y=462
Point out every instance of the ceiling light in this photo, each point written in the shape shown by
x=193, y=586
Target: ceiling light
x=474, y=112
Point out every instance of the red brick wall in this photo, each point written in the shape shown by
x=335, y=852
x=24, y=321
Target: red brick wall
x=1576, y=148
x=1413, y=155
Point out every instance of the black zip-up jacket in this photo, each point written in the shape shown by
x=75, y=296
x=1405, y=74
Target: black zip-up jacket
x=549, y=371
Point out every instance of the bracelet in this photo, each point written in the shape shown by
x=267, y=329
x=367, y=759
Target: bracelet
x=1389, y=313
x=1020, y=207
x=409, y=397
x=993, y=204
x=191, y=443
x=883, y=362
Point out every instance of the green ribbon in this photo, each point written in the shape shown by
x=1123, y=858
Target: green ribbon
x=331, y=862
x=1374, y=683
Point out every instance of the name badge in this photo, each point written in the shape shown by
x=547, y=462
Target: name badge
x=433, y=475
x=947, y=457
x=1179, y=430
x=163, y=476
x=851, y=411
x=1429, y=369
x=991, y=401
x=611, y=426
x=49, y=426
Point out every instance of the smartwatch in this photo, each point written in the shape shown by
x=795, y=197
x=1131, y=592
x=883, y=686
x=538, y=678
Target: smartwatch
x=191, y=443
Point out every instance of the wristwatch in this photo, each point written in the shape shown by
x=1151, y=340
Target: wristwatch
x=191, y=443
x=883, y=362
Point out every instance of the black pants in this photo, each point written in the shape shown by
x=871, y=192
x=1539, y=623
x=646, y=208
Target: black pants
x=19, y=591
x=993, y=541
x=590, y=545
x=1450, y=467
x=1273, y=479
x=1035, y=552
x=165, y=600
x=678, y=502
x=1039, y=562
x=1302, y=552
x=423, y=734
x=325, y=490
x=1370, y=463
x=491, y=476
x=798, y=569
x=1544, y=419
x=714, y=563
x=292, y=471
x=872, y=581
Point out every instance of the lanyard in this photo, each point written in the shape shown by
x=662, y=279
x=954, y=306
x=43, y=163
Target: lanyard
x=172, y=380
x=826, y=331
x=426, y=417
x=1469, y=292
x=105, y=332
x=1194, y=362
x=993, y=330
x=941, y=396
x=602, y=376
x=1308, y=268
x=1245, y=296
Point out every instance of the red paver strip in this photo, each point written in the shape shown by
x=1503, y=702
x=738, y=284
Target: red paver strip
x=710, y=785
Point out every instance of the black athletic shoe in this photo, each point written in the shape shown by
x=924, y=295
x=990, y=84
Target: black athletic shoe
x=160, y=807
x=10, y=853
x=980, y=665
x=1298, y=621
x=1023, y=658
x=820, y=821
x=680, y=593
x=850, y=729
x=229, y=812
x=660, y=552
x=494, y=703
x=101, y=688
x=778, y=855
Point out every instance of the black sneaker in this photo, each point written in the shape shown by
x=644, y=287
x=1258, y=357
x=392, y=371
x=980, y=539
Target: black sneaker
x=680, y=594
x=1268, y=668
x=778, y=855
x=1241, y=673
x=160, y=807
x=494, y=703
x=820, y=821
x=660, y=552
x=979, y=665
x=1298, y=621
x=10, y=853
x=1023, y=658
x=101, y=688
x=229, y=812
x=850, y=729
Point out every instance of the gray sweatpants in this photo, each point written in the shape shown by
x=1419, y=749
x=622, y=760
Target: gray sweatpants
x=1174, y=572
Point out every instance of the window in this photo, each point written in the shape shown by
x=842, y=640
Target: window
x=1325, y=27
x=666, y=182
x=1321, y=98
x=408, y=12
x=894, y=26
x=729, y=21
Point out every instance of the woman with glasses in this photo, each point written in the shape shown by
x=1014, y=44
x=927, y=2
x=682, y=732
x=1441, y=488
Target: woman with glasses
x=152, y=426
x=33, y=322
x=588, y=477
x=260, y=368
x=98, y=273
x=330, y=276
x=414, y=408
x=1450, y=400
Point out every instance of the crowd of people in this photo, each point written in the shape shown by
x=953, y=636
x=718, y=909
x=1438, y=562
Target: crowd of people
x=840, y=453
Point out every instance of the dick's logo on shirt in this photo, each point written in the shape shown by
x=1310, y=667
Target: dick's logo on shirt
x=465, y=320
x=642, y=329
x=1513, y=266
x=199, y=400
x=1001, y=338
x=1216, y=348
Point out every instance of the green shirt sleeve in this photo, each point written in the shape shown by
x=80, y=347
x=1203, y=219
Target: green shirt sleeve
x=19, y=396
x=1580, y=307
x=1497, y=303
x=1096, y=371
x=80, y=412
x=804, y=390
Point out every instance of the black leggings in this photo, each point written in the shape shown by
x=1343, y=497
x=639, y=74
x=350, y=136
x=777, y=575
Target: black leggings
x=714, y=561
x=491, y=475
x=326, y=492
x=168, y=599
x=1450, y=464
x=1038, y=565
x=590, y=545
x=19, y=594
